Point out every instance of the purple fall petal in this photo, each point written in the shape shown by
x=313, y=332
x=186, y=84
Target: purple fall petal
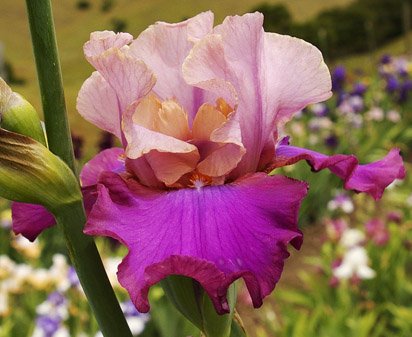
x=111, y=160
x=370, y=178
x=214, y=234
x=30, y=220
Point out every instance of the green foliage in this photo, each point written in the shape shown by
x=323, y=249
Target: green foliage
x=342, y=31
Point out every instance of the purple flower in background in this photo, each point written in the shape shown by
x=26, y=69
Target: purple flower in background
x=197, y=110
x=404, y=91
x=77, y=146
x=377, y=231
x=338, y=78
x=73, y=278
x=386, y=59
x=319, y=109
x=351, y=104
x=106, y=141
x=392, y=84
x=395, y=216
x=332, y=141
x=47, y=325
x=358, y=89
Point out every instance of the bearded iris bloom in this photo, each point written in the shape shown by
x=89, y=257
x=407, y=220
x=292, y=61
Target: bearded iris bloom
x=198, y=111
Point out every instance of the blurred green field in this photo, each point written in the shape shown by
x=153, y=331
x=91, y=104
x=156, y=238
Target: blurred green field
x=73, y=27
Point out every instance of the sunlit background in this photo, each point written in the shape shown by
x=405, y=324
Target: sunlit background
x=353, y=276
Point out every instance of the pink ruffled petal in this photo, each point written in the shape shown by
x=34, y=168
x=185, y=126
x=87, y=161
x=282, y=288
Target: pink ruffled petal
x=99, y=42
x=370, y=178
x=97, y=103
x=112, y=160
x=295, y=75
x=214, y=234
x=163, y=47
x=128, y=76
x=273, y=76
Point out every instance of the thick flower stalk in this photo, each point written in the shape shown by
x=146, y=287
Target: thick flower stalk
x=198, y=110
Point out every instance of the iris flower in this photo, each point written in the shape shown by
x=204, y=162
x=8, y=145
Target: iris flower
x=198, y=111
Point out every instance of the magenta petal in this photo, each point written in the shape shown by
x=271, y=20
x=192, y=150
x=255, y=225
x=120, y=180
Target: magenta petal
x=30, y=220
x=370, y=178
x=111, y=160
x=215, y=234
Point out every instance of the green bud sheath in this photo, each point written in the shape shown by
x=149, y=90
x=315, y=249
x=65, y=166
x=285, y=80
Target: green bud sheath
x=193, y=302
x=18, y=115
x=30, y=173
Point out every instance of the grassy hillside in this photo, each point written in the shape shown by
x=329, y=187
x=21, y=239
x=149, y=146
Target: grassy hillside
x=73, y=27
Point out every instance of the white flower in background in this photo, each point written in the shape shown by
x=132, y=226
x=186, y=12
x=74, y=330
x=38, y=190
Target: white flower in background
x=320, y=123
x=59, y=271
x=351, y=104
x=19, y=277
x=354, y=265
x=375, y=114
x=341, y=202
x=40, y=279
x=29, y=249
x=111, y=264
x=6, y=266
x=351, y=238
x=393, y=116
x=355, y=120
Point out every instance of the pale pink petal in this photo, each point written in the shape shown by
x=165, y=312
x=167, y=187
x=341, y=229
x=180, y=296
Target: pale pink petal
x=128, y=76
x=97, y=103
x=270, y=74
x=101, y=41
x=163, y=47
x=295, y=75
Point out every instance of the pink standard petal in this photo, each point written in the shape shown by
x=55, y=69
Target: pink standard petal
x=215, y=234
x=273, y=75
x=163, y=47
x=128, y=76
x=112, y=160
x=370, y=178
x=99, y=42
x=97, y=103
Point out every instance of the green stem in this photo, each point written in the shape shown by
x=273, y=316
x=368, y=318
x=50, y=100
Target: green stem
x=83, y=250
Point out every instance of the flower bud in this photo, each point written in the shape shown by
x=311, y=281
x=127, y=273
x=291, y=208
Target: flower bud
x=18, y=115
x=30, y=173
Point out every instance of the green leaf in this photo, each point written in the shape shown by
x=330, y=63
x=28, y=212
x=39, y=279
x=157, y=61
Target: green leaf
x=30, y=173
x=192, y=301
